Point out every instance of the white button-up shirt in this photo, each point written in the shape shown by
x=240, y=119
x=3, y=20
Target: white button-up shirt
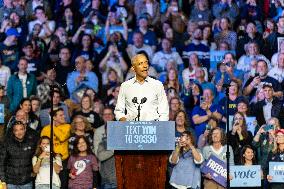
x=267, y=110
x=156, y=107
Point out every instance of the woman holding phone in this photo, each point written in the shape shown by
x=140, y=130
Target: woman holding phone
x=41, y=166
x=239, y=135
x=186, y=159
x=276, y=155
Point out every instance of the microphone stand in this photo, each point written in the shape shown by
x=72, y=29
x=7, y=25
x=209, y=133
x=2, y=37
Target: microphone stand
x=227, y=136
x=138, y=115
x=51, y=135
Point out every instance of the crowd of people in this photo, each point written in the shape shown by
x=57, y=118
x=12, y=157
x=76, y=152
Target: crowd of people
x=72, y=56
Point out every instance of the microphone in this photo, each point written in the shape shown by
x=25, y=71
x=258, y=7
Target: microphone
x=143, y=100
x=134, y=100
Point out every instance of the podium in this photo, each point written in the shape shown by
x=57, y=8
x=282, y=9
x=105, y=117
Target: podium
x=141, y=152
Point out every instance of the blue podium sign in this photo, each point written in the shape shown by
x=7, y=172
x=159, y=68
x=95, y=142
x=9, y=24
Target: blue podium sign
x=276, y=170
x=245, y=176
x=141, y=135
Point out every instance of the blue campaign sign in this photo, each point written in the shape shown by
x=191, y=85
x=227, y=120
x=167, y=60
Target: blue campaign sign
x=276, y=170
x=217, y=169
x=216, y=57
x=141, y=135
x=2, y=113
x=245, y=176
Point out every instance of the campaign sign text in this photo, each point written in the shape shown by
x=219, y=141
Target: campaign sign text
x=217, y=169
x=216, y=57
x=141, y=135
x=276, y=170
x=245, y=176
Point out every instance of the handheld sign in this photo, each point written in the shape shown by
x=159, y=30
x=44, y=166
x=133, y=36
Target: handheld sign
x=217, y=169
x=216, y=57
x=245, y=176
x=2, y=113
x=276, y=170
x=141, y=135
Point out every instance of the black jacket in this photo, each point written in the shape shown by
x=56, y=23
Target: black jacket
x=16, y=160
x=276, y=111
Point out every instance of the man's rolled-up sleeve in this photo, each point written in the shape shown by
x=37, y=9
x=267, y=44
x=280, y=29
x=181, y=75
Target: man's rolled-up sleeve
x=119, y=110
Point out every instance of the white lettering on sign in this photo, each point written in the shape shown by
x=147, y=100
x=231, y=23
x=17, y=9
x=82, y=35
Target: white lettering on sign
x=217, y=168
x=149, y=130
x=133, y=130
x=278, y=168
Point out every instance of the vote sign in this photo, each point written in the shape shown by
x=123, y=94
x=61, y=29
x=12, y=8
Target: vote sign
x=217, y=169
x=141, y=135
x=245, y=176
x=276, y=170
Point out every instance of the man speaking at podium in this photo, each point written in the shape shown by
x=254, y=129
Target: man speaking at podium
x=142, y=98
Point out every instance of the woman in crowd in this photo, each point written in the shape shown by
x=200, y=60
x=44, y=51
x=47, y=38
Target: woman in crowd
x=277, y=155
x=172, y=80
x=201, y=12
x=248, y=158
x=175, y=16
x=182, y=124
x=189, y=73
x=113, y=59
x=83, y=165
x=226, y=34
x=85, y=48
x=41, y=165
x=32, y=120
x=80, y=127
x=264, y=141
x=149, y=7
x=217, y=147
x=239, y=135
x=36, y=105
x=186, y=159
x=175, y=106
x=252, y=52
x=191, y=96
x=86, y=110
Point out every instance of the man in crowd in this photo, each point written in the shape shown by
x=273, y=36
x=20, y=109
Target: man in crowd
x=207, y=109
x=57, y=103
x=253, y=83
x=138, y=46
x=21, y=85
x=60, y=141
x=15, y=158
x=81, y=79
x=269, y=107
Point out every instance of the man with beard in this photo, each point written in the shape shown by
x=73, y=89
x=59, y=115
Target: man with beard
x=197, y=47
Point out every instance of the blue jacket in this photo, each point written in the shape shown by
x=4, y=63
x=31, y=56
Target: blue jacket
x=15, y=89
x=90, y=82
